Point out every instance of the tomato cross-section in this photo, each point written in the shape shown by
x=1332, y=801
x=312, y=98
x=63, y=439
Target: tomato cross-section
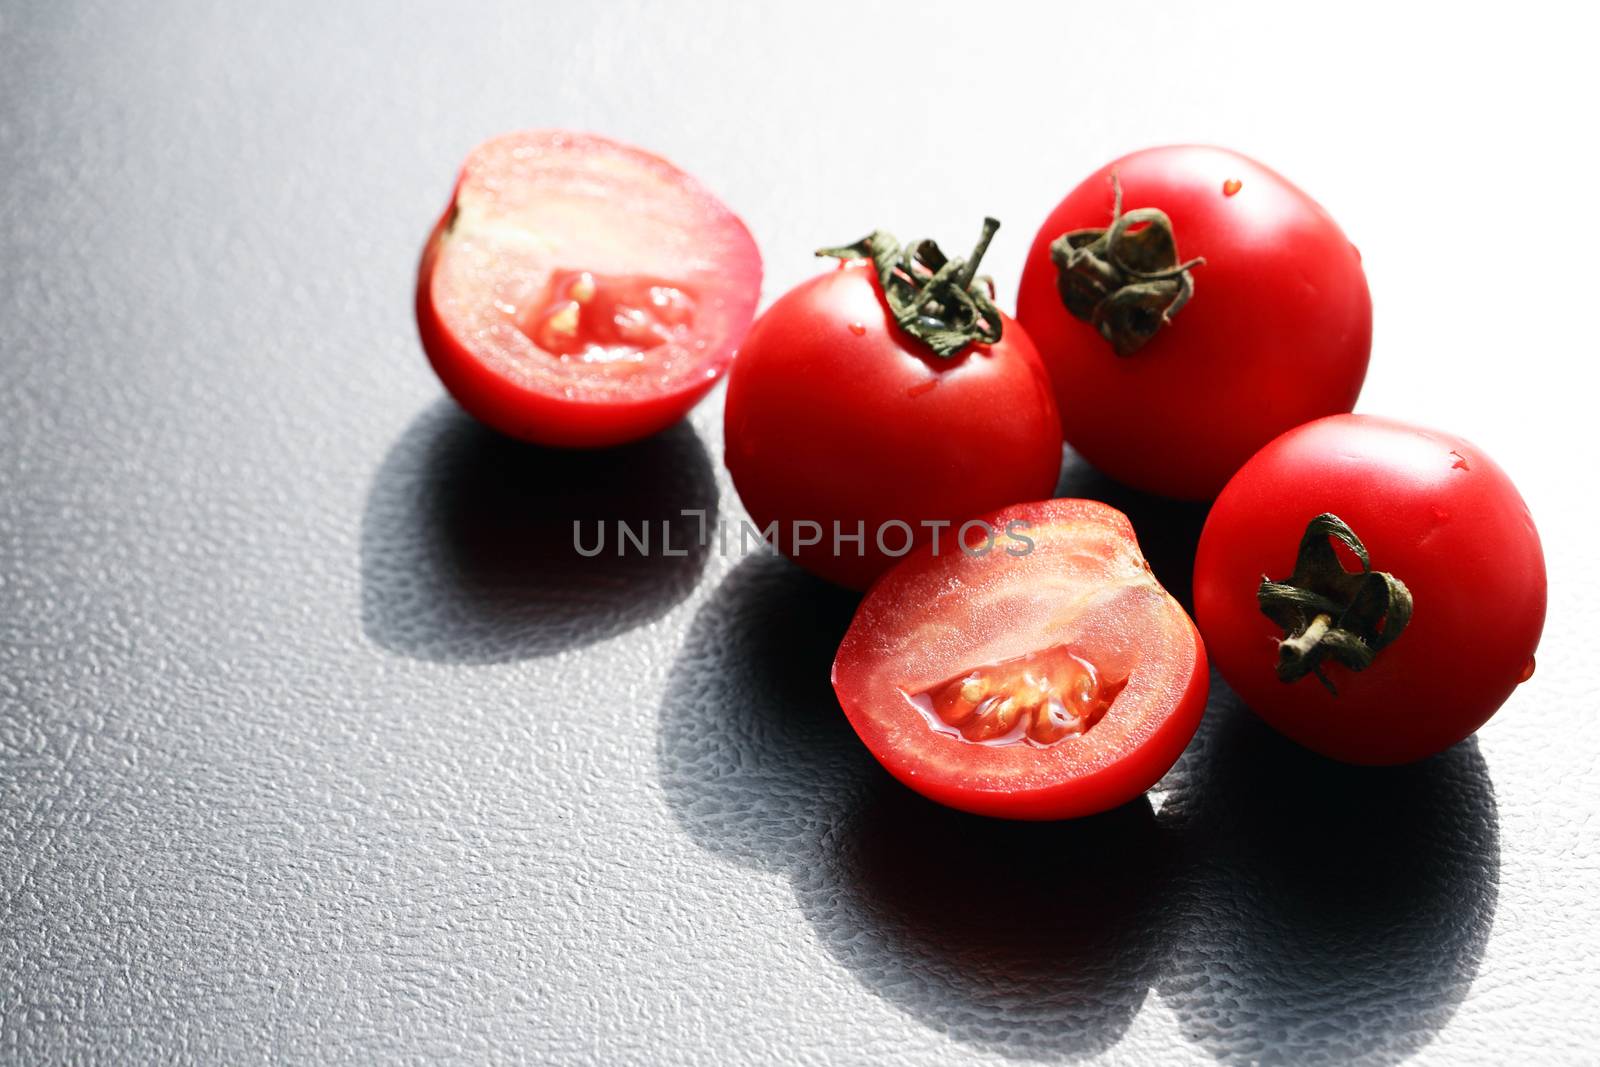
x=1048, y=677
x=582, y=292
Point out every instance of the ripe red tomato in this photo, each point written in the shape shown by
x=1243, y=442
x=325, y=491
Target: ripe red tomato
x=1173, y=377
x=1044, y=685
x=1375, y=674
x=582, y=292
x=843, y=415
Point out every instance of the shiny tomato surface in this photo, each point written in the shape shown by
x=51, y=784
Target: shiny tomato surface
x=1276, y=333
x=1431, y=509
x=836, y=417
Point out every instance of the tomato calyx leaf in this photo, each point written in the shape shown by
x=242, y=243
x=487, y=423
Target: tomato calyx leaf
x=1127, y=283
x=943, y=303
x=1328, y=612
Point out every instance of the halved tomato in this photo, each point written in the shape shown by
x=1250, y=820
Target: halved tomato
x=582, y=292
x=1049, y=677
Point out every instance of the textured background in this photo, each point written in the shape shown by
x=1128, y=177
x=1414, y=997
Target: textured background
x=315, y=747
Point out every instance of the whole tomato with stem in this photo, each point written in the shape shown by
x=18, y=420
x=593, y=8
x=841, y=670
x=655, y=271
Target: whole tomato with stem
x=1190, y=305
x=876, y=407
x=1373, y=590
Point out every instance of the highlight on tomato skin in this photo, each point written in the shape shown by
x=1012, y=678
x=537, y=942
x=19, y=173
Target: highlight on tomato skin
x=840, y=414
x=1396, y=658
x=1051, y=684
x=581, y=292
x=1249, y=314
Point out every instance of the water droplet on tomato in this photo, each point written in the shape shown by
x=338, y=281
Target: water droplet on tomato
x=1527, y=671
x=858, y=328
x=1231, y=186
x=922, y=387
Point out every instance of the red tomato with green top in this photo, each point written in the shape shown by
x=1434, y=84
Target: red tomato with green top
x=1190, y=305
x=888, y=411
x=1373, y=590
x=1040, y=680
x=582, y=292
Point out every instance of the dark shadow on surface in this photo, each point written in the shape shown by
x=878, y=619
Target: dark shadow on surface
x=467, y=540
x=1168, y=530
x=1033, y=940
x=1330, y=913
x=1287, y=909
x=1027, y=939
x=755, y=757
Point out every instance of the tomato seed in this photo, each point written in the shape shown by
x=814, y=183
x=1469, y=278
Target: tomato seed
x=1039, y=698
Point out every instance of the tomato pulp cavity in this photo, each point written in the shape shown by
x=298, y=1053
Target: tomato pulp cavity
x=862, y=420
x=582, y=292
x=1169, y=373
x=1049, y=684
x=1388, y=660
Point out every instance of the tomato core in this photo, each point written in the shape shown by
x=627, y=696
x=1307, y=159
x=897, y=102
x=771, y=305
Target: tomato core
x=599, y=319
x=1038, y=698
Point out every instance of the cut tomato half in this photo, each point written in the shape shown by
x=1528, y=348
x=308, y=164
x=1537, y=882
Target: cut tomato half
x=1049, y=677
x=582, y=292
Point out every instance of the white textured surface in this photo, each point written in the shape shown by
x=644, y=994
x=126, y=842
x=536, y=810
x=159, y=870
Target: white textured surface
x=304, y=757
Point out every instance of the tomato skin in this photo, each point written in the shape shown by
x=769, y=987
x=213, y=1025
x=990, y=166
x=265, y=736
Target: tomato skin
x=562, y=411
x=834, y=415
x=1433, y=510
x=931, y=613
x=1277, y=333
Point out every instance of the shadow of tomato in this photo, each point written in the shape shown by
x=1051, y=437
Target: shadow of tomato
x=1028, y=940
x=1286, y=908
x=467, y=542
x=1329, y=913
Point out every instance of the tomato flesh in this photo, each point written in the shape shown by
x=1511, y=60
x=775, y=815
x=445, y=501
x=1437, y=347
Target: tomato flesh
x=1037, y=698
x=1048, y=685
x=582, y=292
x=607, y=320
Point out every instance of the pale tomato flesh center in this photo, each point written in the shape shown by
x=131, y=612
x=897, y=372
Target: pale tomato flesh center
x=1039, y=698
x=597, y=318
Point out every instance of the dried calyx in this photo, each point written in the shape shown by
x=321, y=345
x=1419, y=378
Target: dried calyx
x=1328, y=612
x=1126, y=281
x=941, y=302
